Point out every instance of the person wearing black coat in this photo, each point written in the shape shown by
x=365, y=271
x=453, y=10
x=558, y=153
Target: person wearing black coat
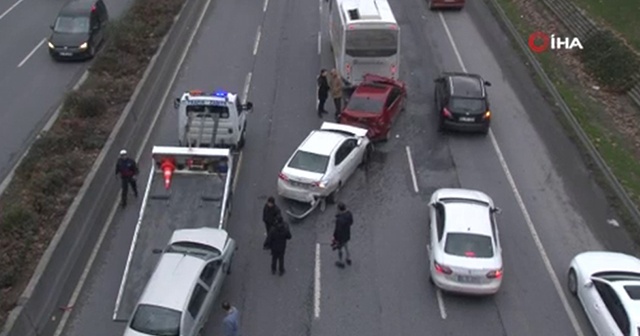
x=127, y=168
x=342, y=233
x=323, y=91
x=270, y=213
x=277, y=242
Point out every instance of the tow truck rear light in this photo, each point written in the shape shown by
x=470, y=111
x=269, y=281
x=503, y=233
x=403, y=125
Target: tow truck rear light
x=446, y=113
x=496, y=274
x=283, y=177
x=441, y=268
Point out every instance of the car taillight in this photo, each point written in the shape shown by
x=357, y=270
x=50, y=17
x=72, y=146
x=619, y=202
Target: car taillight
x=441, y=268
x=319, y=184
x=283, y=177
x=487, y=115
x=446, y=113
x=470, y=254
x=497, y=274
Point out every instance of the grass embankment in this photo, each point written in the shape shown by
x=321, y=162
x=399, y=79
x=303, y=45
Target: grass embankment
x=615, y=149
x=623, y=16
x=45, y=184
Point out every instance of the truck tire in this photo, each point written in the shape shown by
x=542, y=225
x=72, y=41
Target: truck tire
x=331, y=199
x=242, y=137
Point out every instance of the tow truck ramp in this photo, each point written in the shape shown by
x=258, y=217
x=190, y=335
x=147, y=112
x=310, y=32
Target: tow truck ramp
x=187, y=188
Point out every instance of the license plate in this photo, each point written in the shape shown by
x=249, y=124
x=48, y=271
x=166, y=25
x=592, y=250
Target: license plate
x=66, y=54
x=468, y=279
x=299, y=184
x=467, y=119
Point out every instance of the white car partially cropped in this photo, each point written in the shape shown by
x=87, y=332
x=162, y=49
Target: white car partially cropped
x=607, y=285
x=464, y=251
x=323, y=163
x=179, y=296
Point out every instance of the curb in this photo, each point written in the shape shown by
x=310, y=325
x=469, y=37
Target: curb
x=618, y=189
x=34, y=282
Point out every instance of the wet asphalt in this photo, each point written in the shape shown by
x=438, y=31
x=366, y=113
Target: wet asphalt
x=385, y=291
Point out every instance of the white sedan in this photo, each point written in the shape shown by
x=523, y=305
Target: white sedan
x=323, y=163
x=465, y=255
x=608, y=286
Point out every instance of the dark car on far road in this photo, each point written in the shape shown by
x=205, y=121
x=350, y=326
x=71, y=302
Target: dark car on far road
x=374, y=105
x=78, y=30
x=446, y=4
x=462, y=103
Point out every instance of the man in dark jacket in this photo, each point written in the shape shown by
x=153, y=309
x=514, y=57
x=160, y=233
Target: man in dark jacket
x=127, y=168
x=323, y=91
x=342, y=233
x=277, y=242
x=269, y=213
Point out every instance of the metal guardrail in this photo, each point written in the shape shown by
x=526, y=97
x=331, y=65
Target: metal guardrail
x=580, y=25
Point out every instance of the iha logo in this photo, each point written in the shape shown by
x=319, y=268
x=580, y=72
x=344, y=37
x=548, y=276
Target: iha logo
x=539, y=42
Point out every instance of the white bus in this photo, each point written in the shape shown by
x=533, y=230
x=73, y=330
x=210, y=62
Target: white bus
x=365, y=38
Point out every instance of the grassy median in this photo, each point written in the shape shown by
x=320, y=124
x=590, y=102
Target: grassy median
x=47, y=181
x=615, y=148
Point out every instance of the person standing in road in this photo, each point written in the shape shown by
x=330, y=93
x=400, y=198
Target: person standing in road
x=127, y=168
x=270, y=213
x=342, y=233
x=336, y=85
x=323, y=91
x=230, y=321
x=277, y=242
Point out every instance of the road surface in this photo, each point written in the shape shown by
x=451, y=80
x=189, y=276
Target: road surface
x=28, y=72
x=551, y=207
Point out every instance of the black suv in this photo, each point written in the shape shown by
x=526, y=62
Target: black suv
x=78, y=30
x=462, y=103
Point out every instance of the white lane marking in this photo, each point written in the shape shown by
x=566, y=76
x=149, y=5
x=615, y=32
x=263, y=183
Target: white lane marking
x=523, y=208
x=10, y=9
x=613, y=222
x=152, y=126
x=316, y=284
x=443, y=311
x=85, y=273
x=319, y=42
x=412, y=169
x=237, y=171
x=266, y=4
x=320, y=6
x=257, y=42
x=245, y=90
x=33, y=51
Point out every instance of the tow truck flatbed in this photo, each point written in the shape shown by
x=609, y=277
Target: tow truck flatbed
x=194, y=199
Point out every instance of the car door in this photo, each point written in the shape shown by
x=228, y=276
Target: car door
x=96, y=30
x=391, y=107
x=597, y=311
x=349, y=163
x=197, y=307
x=437, y=230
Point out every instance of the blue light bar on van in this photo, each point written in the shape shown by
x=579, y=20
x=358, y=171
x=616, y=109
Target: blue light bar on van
x=221, y=93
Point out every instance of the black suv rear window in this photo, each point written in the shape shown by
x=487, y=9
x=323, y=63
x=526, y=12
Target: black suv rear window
x=472, y=105
x=468, y=245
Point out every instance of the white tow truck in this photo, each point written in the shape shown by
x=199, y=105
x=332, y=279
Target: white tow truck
x=188, y=188
x=217, y=119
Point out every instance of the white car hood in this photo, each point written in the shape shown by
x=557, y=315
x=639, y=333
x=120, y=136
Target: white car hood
x=476, y=264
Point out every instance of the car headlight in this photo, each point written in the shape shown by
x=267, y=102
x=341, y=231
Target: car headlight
x=83, y=46
x=51, y=46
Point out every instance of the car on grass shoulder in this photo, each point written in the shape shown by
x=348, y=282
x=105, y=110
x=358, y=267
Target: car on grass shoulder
x=374, y=104
x=178, y=297
x=323, y=163
x=607, y=284
x=78, y=30
x=462, y=103
x=465, y=255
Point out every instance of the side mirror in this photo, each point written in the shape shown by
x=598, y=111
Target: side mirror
x=248, y=106
x=487, y=83
x=157, y=251
x=359, y=142
x=496, y=210
x=176, y=103
x=432, y=204
x=588, y=284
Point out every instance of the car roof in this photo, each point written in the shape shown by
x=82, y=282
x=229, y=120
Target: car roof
x=322, y=142
x=464, y=217
x=172, y=281
x=82, y=7
x=466, y=85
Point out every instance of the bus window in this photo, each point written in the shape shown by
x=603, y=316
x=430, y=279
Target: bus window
x=371, y=43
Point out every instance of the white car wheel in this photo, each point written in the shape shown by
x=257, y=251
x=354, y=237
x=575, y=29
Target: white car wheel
x=572, y=282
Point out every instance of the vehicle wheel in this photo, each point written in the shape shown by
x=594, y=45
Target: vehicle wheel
x=241, y=142
x=366, y=158
x=431, y=279
x=572, y=282
x=331, y=199
x=229, y=268
x=431, y=6
x=92, y=52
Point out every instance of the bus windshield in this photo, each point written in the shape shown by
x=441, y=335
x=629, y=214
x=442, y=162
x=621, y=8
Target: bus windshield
x=371, y=42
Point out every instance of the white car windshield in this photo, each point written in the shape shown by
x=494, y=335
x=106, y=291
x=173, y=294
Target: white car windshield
x=469, y=245
x=157, y=321
x=194, y=249
x=310, y=162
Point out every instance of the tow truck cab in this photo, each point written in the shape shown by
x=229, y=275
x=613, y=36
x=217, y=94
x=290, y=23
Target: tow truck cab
x=217, y=119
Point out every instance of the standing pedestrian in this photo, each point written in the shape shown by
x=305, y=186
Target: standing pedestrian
x=323, y=91
x=230, y=321
x=128, y=170
x=342, y=233
x=335, y=82
x=269, y=213
x=277, y=242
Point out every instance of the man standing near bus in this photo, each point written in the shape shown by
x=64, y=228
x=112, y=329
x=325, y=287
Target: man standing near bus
x=335, y=82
